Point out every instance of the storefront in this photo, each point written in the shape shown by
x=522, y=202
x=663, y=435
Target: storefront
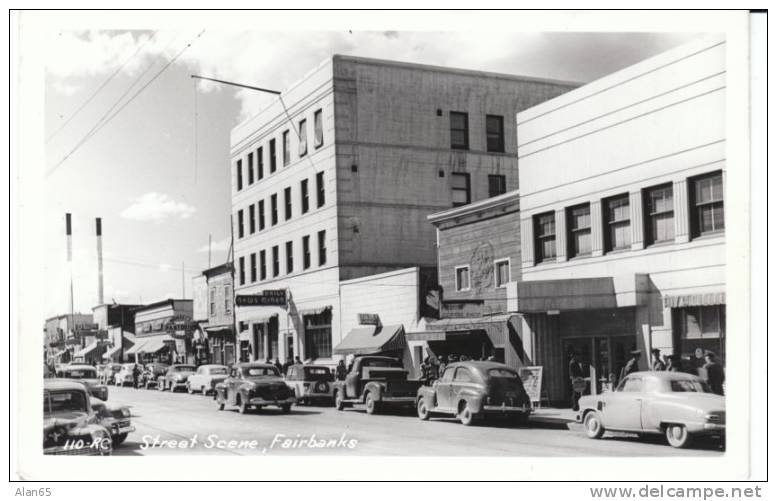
x=698, y=326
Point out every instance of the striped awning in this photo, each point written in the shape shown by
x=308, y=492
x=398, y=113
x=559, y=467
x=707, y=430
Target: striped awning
x=314, y=311
x=87, y=349
x=111, y=352
x=369, y=339
x=495, y=326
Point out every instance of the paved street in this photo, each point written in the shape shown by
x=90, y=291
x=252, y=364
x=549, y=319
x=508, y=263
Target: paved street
x=180, y=417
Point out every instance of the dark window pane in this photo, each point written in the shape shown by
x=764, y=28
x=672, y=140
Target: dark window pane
x=303, y=138
x=319, y=128
x=495, y=141
x=459, y=130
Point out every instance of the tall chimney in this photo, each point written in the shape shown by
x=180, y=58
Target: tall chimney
x=99, y=233
x=69, y=235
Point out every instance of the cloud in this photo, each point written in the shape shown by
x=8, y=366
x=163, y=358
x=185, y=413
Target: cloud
x=216, y=246
x=157, y=207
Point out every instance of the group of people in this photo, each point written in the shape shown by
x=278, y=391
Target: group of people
x=432, y=368
x=712, y=370
x=283, y=367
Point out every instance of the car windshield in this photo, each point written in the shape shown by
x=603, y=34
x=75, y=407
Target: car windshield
x=64, y=401
x=184, y=368
x=260, y=371
x=218, y=370
x=689, y=385
x=80, y=373
x=318, y=374
x=506, y=373
x=381, y=363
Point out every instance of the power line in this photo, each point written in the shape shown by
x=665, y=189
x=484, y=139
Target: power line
x=101, y=87
x=132, y=98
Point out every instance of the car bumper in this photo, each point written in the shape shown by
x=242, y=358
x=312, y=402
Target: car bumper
x=506, y=409
x=178, y=384
x=399, y=400
x=72, y=451
x=262, y=401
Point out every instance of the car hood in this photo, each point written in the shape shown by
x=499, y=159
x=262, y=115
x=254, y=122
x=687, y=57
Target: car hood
x=267, y=382
x=67, y=419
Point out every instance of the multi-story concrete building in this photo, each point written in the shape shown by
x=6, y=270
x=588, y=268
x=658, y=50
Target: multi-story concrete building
x=334, y=181
x=622, y=216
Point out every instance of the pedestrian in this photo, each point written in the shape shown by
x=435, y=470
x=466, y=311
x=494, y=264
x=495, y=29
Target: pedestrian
x=135, y=376
x=671, y=364
x=288, y=363
x=716, y=376
x=632, y=365
x=575, y=373
x=340, y=371
x=297, y=360
x=278, y=365
x=441, y=367
x=658, y=365
x=426, y=372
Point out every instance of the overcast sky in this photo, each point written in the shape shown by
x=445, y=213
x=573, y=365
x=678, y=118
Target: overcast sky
x=161, y=184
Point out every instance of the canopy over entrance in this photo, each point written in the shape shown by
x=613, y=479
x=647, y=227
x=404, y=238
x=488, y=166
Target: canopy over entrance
x=368, y=339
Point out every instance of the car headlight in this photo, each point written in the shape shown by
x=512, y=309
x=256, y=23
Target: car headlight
x=125, y=412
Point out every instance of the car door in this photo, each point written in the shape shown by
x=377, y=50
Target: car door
x=352, y=381
x=463, y=380
x=443, y=389
x=231, y=385
x=623, y=410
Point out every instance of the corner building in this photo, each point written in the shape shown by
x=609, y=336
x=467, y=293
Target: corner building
x=622, y=216
x=334, y=181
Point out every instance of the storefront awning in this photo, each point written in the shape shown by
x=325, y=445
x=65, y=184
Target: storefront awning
x=495, y=326
x=87, y=349
x=155, y=344
x=57, y=355
x=367, y=339
x=314, y=311
x=111, y=352
x=139, y=343
x=566, y=294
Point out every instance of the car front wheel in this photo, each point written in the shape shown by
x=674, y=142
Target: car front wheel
x=339, y=404
x=466, y=416
x=423, y=410
x=372, y=405
x=118, y=439
x=677, y=435
x=593, y=425
x=243, y=407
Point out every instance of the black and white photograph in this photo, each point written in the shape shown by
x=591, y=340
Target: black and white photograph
x=305, y=245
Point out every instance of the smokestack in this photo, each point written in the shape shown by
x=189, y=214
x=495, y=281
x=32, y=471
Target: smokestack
x=69, y=235
x=99, y=233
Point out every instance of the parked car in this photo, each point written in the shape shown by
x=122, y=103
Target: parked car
x=376, y=381
x=206, y=378
x=87, y=375
x=678, y=405
x=255, y=385
x=125, y=376
x=311, y=383
x=70, y=425
x=107, y=372
x=175, y=377
x=473, y=390
x=151, y=374
x=115, y=418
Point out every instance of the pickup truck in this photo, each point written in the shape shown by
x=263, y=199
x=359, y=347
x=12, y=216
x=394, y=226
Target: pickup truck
x=375, y=381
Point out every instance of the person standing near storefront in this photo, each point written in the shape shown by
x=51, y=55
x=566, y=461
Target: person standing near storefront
x=340, y=371
x=715, y=374
x=632, y=365
x=575, y=373
x=658, y=365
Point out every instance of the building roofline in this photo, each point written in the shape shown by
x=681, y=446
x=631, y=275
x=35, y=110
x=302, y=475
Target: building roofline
x=474, y=207
x=160, y=303
x=213, y=269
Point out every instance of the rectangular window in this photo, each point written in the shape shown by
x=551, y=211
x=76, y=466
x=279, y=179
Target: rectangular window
x=287, y=203
x=289, y=257
x=462, y=278
x=306, y=252
x=617, y=223
x=495, y=134
x=212, y=302
x=318, y=129
x=259, y=163
x=545, y=237
x=318, y=335
x=497, y=185
x=276, y=264
x=320, y=194
x=273, y=156
x=322, y=247
x=260, y=209
x=303, y=189
x=253, y=267
x=242, y=270
x=706, y=193
x=262, y=265
x=460, y=188
x=250, y=169
x=659, y=214
x=228, y=299
x=251, y=219
x=459, y=130
x=303, y=138
x=501, y=272
x=579, y=230
x=274, y=209
x=240, y=230
x=239, y=171
x=286, y=148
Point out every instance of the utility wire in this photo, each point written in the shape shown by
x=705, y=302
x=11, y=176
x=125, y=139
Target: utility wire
x=101, y=87
x=132, y=98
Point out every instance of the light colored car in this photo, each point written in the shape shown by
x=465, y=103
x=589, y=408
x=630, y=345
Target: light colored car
x=175, y=377
x=125, y=377
x=311, y=383
x=677, y=405
x=205, y=379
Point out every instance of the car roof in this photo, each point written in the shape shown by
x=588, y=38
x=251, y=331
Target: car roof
x=666, y=375
x=183, y=365
x=62, y=384
x=263, y=365
x=79, y=367
x=481, y=365
x=213, y=365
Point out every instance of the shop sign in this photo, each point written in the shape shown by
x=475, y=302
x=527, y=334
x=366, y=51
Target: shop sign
x=532, y=381
x=708, y=299
x=369, y=319
x=86, y=327
x=180, y=325
x=266, y=298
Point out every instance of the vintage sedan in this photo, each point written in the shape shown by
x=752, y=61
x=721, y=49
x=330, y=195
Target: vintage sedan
x=125, y=376
x=152, y=373
x=107, y=372
x=677, y=405
x=70, y=425
x=254, y=384
x=175, y=378
x=206, y=378
x=115, y=418
x=87, y=375
x=472, y=390
x=311, y=383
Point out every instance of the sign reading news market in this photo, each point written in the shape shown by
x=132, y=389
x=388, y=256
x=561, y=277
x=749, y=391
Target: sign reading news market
x=266, y=298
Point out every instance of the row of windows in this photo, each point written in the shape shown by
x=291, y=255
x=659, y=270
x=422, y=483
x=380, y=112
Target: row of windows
x=227, y=301
x=495, y=132
x=461, y=189
x=258, y=271
x=257, y=220
x=705, y=200
x=256, y=173
x=501, y=275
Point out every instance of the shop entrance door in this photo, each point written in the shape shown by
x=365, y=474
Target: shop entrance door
x=272, y=339
x=606, y=354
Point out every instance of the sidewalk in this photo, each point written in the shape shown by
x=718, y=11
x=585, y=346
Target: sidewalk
x=553, y=417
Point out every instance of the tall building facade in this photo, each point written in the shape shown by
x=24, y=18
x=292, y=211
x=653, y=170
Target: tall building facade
x=334, y=181
x=622, y=216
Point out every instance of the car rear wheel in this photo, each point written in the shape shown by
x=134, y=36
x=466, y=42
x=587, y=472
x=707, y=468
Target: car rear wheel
x=242, y=406
x=339, y=404
x=677, y=435
x=118, y=439
x=423, y=410
x=466, y=416
x=161, y=386
x=286, y=408
x=593, y=425
x=372, y=405
x=189, y=389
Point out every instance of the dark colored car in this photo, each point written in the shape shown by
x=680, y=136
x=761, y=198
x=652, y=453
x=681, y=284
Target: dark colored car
x=376, y=381
x=255, y=385
x=473, y=390
x=151, y=374
x=311, y=383
x=176, y=376
x=70, y=425
x=87, y=375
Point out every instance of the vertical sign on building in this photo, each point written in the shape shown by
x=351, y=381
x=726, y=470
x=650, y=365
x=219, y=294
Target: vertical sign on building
x=99, y=234
x=69, y=236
